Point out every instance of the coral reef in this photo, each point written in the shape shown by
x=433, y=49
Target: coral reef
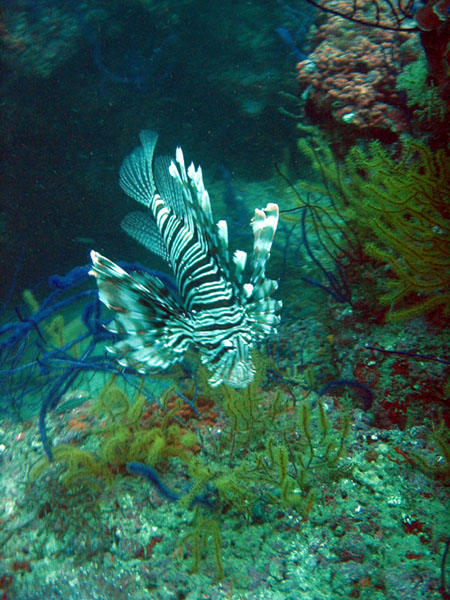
x=406, y=206
x=349, y=77
x=37, y=38
x=274, y=451
x=400, y=206
x=244, y=490
x=391, y=16
x=328, y=476
x=431, y=19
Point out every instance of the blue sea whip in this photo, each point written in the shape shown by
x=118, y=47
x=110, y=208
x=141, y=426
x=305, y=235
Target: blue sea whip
x=222, y=308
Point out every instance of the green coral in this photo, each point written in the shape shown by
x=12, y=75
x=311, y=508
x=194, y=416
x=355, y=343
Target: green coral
x=400, y=206
x=127, y=439
x=277, y=450
x=123, y=437
x=439, y=466
x=404, y=204
x=78, y=465
x=203, y=530
x=275, y=463
x=422, y=96
x=284, y=464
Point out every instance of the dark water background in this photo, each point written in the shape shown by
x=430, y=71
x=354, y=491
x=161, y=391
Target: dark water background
x=80, y=80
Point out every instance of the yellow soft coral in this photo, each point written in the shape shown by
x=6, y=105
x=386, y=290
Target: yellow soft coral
x=405, y=204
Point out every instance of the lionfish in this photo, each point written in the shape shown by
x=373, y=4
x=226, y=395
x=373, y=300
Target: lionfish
x=222, y=308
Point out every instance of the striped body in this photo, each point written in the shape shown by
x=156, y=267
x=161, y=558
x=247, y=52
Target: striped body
x=223, y=308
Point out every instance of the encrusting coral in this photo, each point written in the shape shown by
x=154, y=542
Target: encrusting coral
x=349, y=77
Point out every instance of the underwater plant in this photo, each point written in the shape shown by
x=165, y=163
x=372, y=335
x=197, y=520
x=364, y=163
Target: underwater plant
x=130, y=432
x=423, y=96
x=34, y=341
x=325, y=217
x=280, y=444
x=278, y=450
x=322, y=224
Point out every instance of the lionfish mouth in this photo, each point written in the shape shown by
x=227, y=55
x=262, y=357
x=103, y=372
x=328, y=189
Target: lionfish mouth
x=224, y=305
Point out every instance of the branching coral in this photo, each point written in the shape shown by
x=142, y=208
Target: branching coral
x=401, y=207
x=203, y=529
x=280, y=456
x=405, y=203
x=128, y=437
x=327, y=217
x=275, y=451
x=131, y=433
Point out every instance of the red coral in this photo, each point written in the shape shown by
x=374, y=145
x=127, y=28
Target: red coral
x=413, y=526
x=433, y=15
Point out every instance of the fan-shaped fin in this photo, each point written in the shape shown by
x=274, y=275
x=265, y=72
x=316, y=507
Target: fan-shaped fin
x=136, y=174
x=155, y=329
x=168, y=188
x=142, y=227
x=264, y=225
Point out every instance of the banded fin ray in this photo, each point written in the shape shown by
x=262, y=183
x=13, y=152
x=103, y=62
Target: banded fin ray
x=167, y=187
x=157, y=331
x=142, y=227
x=192, y=242
x=197, y=198
x=261, y=308
x=264, y=225
x=136, y=174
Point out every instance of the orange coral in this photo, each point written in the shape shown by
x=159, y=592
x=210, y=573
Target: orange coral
x=350, y=77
